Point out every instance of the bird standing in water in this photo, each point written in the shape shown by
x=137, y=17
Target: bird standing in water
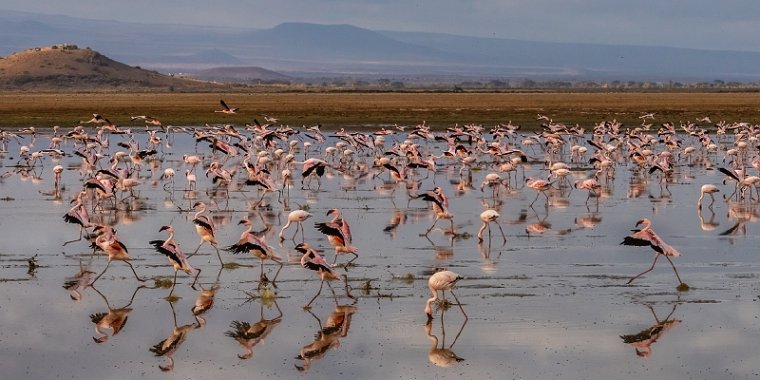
x=177, y=258
x=204, y=226
x=443, y=281
x=647, y=237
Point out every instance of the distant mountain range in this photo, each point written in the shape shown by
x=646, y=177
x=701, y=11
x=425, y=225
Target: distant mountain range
x=311, y=50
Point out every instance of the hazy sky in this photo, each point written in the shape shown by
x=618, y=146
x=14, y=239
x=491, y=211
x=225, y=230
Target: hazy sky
x=704, y=24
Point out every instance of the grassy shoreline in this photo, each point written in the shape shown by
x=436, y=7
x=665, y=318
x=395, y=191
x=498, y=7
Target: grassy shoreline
x=23, y=109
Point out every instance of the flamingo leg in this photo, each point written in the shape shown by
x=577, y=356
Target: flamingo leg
x=316, y=295
x=534, y=200
x=101, y=273
x=276, y=274
x=431, y=227
x=81, y=232
x=133, y=271
x=503, y=236
x=674, y=269
x=196, y=278
x=459, y=304
x=218, y=254
x=657, y=256
x=174, y=283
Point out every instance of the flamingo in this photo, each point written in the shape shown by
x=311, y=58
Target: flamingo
x=487, y=217
x=204, y=226
x=116, y=250
x=708, y=189
x=226, y=109
x=313, y=166
x=338, y=234
x=249, y=242
x=298, y=217
x=647, y=237
x=176, y=257
x=440, y=204
x=312, y=260
x=78, y=215
x=443, y=281
x=539, y=185
x=590, y=184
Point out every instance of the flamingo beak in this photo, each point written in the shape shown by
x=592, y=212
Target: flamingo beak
x=164, y=228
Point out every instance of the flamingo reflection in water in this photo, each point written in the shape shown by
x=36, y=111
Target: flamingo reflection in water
x=642, y=342
x=79, y=282
x=328, y=336
x=114, y=319
x=443, y=356
x=250, y=335
x=171, y=343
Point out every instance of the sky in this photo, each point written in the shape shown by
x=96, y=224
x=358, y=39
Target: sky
x=700, y=24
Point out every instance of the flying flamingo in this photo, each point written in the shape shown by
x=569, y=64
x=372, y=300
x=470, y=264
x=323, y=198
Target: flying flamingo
x=338, y=234
x=647, y=237
x=312, y=260
x=487, y=217
x=176, y=257
x=226, y=109
x=443, y=281
x=249, y=242
x=204, y=226
x=295, y=216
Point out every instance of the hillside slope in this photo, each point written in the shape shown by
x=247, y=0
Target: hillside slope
x=68, y=66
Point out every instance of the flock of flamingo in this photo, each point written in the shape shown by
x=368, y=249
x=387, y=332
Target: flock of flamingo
x=116, y=162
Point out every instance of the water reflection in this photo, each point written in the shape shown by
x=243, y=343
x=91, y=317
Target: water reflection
x=440, y=354
x=114, y=319
x=642, y=341
x=79, y=282
x=171, y=343
x=338, y=323
x=250, y=335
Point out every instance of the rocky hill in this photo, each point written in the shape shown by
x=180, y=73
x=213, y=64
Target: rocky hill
x=65, y=66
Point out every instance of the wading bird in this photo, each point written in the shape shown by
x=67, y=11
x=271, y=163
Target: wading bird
x=312, y=260
x=708, y=189
x=249, y=242
x=176, y=257
x=116, y=250
x=440, y=204
x=204, y=226
x=647, y=237
x=487, y=217
x=338, y=234
x=443, y=281
x=295, y=216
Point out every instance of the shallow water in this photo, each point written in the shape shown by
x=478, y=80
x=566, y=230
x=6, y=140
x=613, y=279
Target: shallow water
x=542, y=305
